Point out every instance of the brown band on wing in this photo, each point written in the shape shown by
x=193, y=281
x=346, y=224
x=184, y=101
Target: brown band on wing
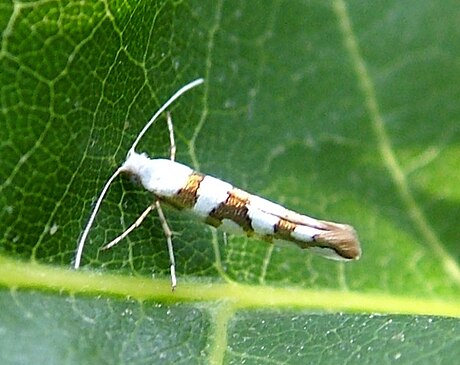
x=187, y=196
x=283, y=229
x=235, y=208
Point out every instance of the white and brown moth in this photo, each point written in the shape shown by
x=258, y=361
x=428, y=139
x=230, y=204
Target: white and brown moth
x=221, y=205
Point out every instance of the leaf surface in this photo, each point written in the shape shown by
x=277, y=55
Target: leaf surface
x=344, y=111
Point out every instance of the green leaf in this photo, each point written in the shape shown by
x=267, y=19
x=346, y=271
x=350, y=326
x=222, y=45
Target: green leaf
x=342, y=111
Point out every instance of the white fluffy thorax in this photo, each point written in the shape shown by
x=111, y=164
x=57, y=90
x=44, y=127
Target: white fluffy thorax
x=160, y=176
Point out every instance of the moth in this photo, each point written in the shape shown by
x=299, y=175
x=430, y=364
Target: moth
x=220, y=205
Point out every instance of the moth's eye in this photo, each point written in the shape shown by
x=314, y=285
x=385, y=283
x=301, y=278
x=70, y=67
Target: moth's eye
x=135, y=179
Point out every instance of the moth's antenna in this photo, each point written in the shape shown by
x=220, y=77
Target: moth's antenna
x=173, y=98
x=81, y=242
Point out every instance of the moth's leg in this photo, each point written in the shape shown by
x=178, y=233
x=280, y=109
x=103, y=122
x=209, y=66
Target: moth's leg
x=172, y=148
x=136, y=224
x=168, y=235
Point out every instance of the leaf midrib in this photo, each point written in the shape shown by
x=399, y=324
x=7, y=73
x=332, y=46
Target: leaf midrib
x=28, y=275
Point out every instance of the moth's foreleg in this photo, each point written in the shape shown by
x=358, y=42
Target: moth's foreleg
x=136, y=224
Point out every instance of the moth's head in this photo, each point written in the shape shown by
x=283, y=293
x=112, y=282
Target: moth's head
x=135, y=163
x=136, y=166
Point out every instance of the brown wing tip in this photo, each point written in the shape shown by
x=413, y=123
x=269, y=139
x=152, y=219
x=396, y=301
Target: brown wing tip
x=341, y=238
